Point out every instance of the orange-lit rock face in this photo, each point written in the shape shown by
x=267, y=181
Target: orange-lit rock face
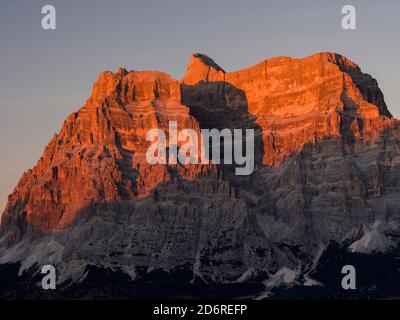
x=301, y=100
x=99, y=153
x=202, y=67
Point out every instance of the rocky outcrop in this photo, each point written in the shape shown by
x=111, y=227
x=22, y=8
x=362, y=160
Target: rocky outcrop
x=327, y=169
x=202, y=67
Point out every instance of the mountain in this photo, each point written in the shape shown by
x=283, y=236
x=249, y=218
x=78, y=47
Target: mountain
x=325, y=181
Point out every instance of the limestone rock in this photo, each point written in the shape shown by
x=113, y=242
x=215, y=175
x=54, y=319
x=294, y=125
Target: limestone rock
x=327, y=169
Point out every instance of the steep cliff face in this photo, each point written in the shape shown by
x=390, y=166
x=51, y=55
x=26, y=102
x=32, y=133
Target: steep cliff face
x=327, y=169
x=297, y=101
x=99, y=153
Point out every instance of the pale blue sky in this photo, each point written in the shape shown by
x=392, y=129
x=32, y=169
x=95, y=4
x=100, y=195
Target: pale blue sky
x=45, y=75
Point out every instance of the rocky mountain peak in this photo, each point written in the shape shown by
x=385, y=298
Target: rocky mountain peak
x=99, y=153
x=325, y=182
x=202, y=67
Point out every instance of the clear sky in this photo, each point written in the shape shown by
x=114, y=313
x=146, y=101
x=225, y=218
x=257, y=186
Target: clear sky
x=46, y=75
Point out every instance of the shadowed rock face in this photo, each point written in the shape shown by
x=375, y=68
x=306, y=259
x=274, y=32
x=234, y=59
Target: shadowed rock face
x=327, y=162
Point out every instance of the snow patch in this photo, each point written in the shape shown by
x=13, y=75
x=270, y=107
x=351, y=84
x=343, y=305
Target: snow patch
x=311, y=282
x=246, y=275
x=373, y=239
x=283, y=276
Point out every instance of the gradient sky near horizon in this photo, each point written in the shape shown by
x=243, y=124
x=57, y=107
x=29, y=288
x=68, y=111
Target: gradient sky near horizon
x=46, y=75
